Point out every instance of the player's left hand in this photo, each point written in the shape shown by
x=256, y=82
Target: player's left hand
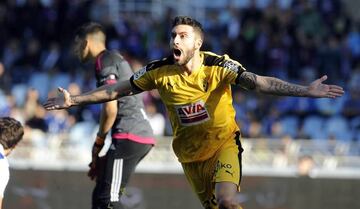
x=92, y=173
x=318, y=89
x=95, y=158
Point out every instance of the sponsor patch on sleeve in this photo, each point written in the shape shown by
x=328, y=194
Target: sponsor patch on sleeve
x=232, y=66
x=192, y=114
x=110, y=79
x=139, y=73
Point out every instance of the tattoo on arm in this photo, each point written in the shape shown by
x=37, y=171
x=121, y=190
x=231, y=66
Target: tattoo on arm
x=247, y=80
x=73, y=100
x=270, y=85
x=103, y=94
x=282, y=88
x=85, y=99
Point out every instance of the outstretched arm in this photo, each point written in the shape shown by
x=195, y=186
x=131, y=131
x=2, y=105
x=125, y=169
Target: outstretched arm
x=275, y=86
x=100, y=95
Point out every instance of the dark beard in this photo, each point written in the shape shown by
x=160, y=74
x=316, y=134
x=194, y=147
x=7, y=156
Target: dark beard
x=188, y=58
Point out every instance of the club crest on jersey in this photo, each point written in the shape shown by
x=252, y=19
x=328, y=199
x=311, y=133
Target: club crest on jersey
x=192, y=114
x=139, y=73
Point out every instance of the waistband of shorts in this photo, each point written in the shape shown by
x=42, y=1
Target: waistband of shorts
x=134, y=137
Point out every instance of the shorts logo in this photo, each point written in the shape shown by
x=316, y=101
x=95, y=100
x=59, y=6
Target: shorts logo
x=192, y=114
x=231, y=173
x=139, y=73
x=224, y=166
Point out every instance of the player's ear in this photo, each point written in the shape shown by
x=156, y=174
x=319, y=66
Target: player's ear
x=198, y=43
x=85, y=44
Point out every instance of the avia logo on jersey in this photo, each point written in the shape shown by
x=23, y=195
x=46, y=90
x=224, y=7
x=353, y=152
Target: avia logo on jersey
x=192, y=114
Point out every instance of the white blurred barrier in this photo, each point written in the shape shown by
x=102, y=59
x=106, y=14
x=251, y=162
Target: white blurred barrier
x=261, y=157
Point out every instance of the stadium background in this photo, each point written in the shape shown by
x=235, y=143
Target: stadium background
x=297, y=40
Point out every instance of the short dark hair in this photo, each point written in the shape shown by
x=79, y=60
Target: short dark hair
x=186, y=20
x=89, y=28
x=11, y=132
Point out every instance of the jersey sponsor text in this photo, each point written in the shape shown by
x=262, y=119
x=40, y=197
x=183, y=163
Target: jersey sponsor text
x=192, y=114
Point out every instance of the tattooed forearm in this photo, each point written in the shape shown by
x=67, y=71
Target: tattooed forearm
x=103, y=94
x=247, y=80
x=74, y=100
x=278, y=87
x=85, y=99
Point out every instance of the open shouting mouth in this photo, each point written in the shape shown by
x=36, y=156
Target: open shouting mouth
x=177, y=54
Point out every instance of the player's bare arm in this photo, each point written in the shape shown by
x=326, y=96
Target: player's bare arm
x=107, y=117
x=100, y=95
x=275, y=86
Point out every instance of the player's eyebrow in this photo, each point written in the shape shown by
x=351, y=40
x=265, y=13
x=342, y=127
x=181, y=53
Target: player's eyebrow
x=173, y=33
x=183, y=33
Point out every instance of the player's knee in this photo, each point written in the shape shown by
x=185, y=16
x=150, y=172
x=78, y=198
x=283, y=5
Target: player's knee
x=227, y=203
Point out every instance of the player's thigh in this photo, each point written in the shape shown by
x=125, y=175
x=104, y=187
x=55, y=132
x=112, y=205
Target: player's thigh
x=130, y=162
x=199, y=176
x=225, y=166
x=228, y=165
x=227, y=175
x=102, y=188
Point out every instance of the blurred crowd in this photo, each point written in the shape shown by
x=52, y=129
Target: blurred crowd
x=298, y=41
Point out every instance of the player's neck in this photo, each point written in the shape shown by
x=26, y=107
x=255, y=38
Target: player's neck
x=193, y=64
x=7, y=152
x=96, y=51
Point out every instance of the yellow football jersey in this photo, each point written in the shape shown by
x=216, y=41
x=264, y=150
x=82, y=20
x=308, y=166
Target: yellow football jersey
x=199, y=105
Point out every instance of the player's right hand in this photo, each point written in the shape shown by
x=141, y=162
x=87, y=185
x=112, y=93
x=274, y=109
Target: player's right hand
x=62, y=101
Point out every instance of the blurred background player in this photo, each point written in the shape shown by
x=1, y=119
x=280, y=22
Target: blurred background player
x=132, y=136
x=195, y=86
x=11, y=132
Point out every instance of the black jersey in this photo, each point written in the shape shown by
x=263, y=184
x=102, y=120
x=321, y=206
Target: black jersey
x=131, y=122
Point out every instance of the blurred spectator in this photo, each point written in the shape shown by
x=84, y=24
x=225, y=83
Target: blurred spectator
x=37, y=121
x=353, y=41
x=309, y=21
x=5, y=80
x=31, y=103
x=4, y=106
x=352, y=104
x=50, y=57
x=305, y=166
x=11, y=52
x=330, y=59
x=282, y=158
x=156, y=119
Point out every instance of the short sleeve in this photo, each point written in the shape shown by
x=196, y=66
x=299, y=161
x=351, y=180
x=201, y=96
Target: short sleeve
x=231, y=70
x=107, y=75
x=111, y=67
